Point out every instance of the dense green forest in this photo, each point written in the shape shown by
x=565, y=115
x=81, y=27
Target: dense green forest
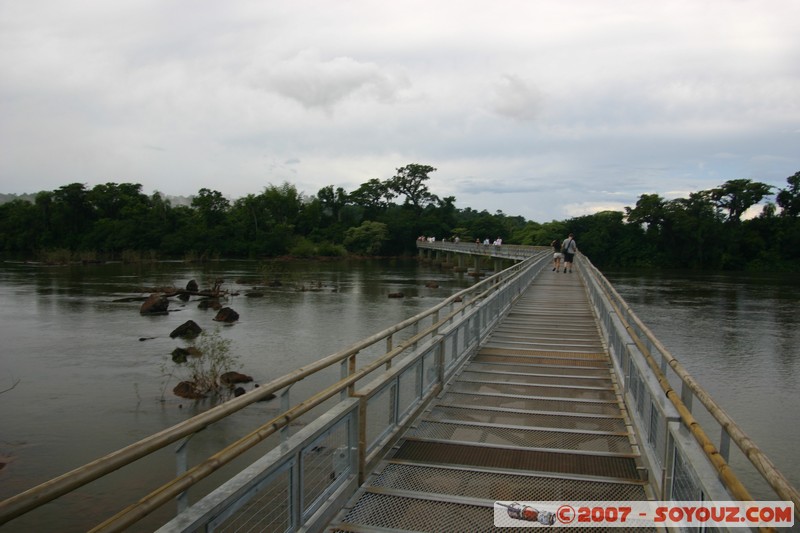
x=119, y=221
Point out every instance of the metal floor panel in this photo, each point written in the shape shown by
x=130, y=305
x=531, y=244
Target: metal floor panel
x=535, y=415
x=513, y=401
x=541, y=370
x=596, y=360
x=482, y=414
x=504, y=376
x=534, y=391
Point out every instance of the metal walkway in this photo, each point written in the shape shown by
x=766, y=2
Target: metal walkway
x=535, y=415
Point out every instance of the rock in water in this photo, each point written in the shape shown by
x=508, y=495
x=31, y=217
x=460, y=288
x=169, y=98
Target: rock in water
x=229, y=378
x=155, y=304
x=187, y=389
x=226, y=314
x=187, y=330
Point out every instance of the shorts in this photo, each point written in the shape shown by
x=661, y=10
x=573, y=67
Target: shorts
x=568, y=257
x=557, y=255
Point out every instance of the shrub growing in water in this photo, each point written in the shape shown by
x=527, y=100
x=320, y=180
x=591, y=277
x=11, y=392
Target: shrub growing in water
x=205, y=364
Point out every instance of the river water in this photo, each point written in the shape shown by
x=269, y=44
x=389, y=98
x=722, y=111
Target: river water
x=85, y=384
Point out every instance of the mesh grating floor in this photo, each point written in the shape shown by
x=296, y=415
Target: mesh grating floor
x=398, y=513
x=518, y=460
x=490, y=485
x=386, y=511
x=523, y=438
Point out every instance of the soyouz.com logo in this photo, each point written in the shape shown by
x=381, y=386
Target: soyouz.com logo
x=644, y=514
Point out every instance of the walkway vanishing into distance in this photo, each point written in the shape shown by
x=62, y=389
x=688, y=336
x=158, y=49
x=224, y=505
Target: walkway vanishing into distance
x=535, y=415
x=531, y=385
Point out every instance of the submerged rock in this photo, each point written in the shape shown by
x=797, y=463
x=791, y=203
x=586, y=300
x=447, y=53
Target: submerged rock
x=188, y=390
x=210, y=303
x=230, y=378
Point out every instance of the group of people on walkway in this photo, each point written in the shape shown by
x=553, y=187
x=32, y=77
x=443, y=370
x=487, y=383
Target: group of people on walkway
x=565, y=250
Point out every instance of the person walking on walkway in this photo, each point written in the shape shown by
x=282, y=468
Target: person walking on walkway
x=570, y=248
x=556, y=254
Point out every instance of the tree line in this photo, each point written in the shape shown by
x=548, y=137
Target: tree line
x=385, y=217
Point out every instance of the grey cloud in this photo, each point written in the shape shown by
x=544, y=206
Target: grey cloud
x=318, y=83
x=517, y=99
x=497, y=186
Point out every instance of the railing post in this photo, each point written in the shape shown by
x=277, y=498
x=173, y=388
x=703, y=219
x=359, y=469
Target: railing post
x=285, y=405
x=389, y=346
x=440, y=362
x=686, y=395
x=181, y=463
x=362, y=439
x=725, y=445
x=351, y=368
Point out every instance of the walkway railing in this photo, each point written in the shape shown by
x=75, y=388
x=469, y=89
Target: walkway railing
x=643, y=360
x=417, y=355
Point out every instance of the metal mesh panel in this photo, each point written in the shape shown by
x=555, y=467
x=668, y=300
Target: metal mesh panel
x=632, y=379
x=685, y=486
x=643, y=395
x=501, y=485
x=380, y=415
x=268, y=510
x=527, y=438
x=657, y=433
x=409, y=388
x=429, y=373
x=450, y=348
x=496, y=416
x=325, y=461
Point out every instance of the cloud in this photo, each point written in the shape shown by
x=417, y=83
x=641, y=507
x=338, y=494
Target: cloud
x=318, y=83
x=516, y=98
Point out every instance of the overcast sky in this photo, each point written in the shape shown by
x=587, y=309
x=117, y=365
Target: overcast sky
x=544, y=109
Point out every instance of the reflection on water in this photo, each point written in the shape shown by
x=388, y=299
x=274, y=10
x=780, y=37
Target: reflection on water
x=739, y=337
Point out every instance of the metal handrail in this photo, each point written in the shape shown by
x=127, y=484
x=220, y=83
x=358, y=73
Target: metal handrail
x=754, y=454
x=41, y=494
